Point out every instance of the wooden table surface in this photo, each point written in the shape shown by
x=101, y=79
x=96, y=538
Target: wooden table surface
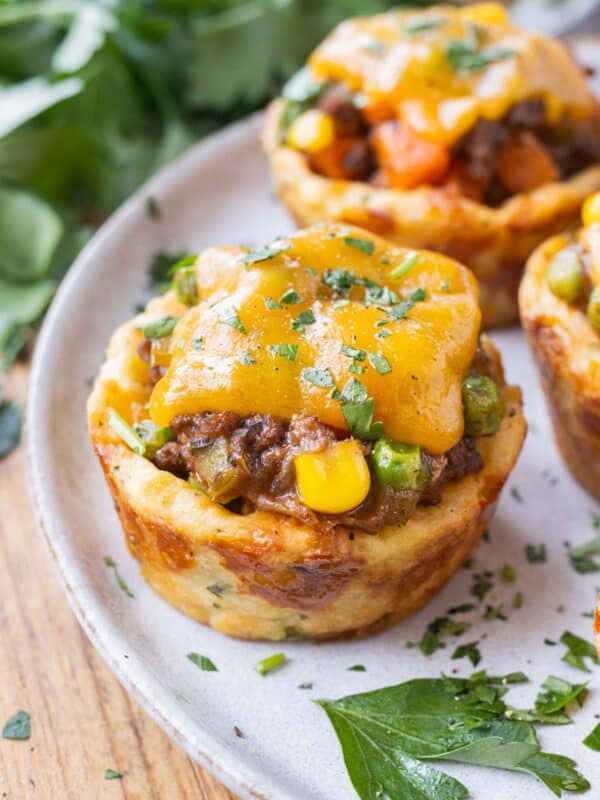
x=82, y=720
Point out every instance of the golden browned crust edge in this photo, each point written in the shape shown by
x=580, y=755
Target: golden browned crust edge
x=556, y=335
x=493, y=242
x=267, y=576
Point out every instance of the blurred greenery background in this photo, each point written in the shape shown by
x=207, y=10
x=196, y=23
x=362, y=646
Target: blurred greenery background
x=96, y=96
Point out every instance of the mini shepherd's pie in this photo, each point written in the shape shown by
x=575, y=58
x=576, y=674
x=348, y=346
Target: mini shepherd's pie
x=306, y=439
x=560, y=310
x=446, y=128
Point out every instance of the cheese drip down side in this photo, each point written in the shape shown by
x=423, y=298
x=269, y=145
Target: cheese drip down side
x=242, y=347
x=409, y=65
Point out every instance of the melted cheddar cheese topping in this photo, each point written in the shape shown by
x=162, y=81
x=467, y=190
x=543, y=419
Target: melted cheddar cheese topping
x=245, y=348
x=442, y=69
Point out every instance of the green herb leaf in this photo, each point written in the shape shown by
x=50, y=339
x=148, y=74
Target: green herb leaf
x=202, y=662
x=318, y=377
x=536, y=553
x=111, y=564
x=229, y=316
x=357, y=369
x=422, y=26
x=303, y=319
x=112, y=775
x=404, y=266
x=379, y=363
x=441, y=626
x=557, y=694
x=582, y=558
x=578, y=649
x=592, y=740
x=126, y=433
x=357, y=668
x=364, y=245
x=153, y=436
x=265, y=253
x=287, y=351
x=17, y=727
x=271, y=305
x=247, y=359
x=160, y=329
x=464, y=57
x=353, y=352
x=10, y=426
x=470, y=651
x=340, y=280
x=270, y=663
x=291, y=298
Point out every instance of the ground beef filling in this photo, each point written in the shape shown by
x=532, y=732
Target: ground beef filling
x=492, y=162
x=249, y=461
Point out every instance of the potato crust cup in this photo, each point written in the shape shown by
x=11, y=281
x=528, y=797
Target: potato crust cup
x=265, y=575
x=566, y=349
x=493, y=240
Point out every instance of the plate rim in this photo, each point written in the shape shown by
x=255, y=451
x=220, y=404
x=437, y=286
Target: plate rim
x=205, y=749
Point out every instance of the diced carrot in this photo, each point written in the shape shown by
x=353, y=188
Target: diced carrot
x=407, y=159
x=524, y=163
x=377, y=111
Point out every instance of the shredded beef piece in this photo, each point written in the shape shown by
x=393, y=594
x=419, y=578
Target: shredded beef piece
x=359, y=162
x=201, y=429
x=529, y=114
x=170, y=458
x=347, y=117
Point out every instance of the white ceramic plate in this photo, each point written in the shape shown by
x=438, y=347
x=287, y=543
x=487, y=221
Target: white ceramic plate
x=218, y=193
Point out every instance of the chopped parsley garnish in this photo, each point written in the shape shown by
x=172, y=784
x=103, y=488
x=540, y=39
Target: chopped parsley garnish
x=592, y=740
x=357, y=668
x=303, y=319
x=400, y=310
x=357, y=369
x=364, y=245
x=270, y=304
x=516, y=494
x=270, y=663
x=557, y=694
x=518, y=600
x=160, y=329
x=318, y=377
x=379, y=363
x=340, y=280
x=405, y=265
x=229, y=316
x=202, y=662
x=197, y=342
x=358, y=410
x=465, y=58
x=470, y=651
x=152, y=207
x=246, y=359
x=353, y=352
x=536, y=553
x=112, y=775
x=265, y=253
x=494, y=612
x=288, y=351
x=383, y=334
x=508, y=574
x=422, y=25
x=583, y=558
x=18, y=727
x=110, y=563
x=441, y=626
x=482, y=585
x=578, y=649
x=291, y=298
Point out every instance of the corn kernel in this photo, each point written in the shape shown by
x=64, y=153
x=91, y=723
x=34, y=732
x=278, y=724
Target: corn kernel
x=335, y=480
x=311, y=131
x=591, y=209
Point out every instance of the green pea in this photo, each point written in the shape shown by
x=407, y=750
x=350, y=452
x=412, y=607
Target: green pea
x=565, y=275
x=482, y=404
x=398, y=465
x=593, y=309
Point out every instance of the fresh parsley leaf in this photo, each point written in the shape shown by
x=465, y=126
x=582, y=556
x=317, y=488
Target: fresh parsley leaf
x=353, y=352
x=357, y=668
x=357, y=369
x=494, y=612
x=470, y=651
x=160, y=329
x=110, y=563
x=10, y=426
x=364, y=245
x=202, y=662
x=246, y=359
x=464, y=57
x=407, y=263
x=439, y=627
x=359, y=419
x=17, y=727
x=287, y=351
x=482, y=584
x=578, y=649
x=379, y=363
x=583, y=558
x=270, y=304
x=229, y=316
x=379, y=295
x=291, y=298
x=112, y=775
x=536, y=553
x=354, y=392
x=303, y=319
x=340, y=280
x=318, y=377
x=557, y=694
x=592, y=740
x=160, y=271
x=422, y=26
x=265, y=253
x=270, y=663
